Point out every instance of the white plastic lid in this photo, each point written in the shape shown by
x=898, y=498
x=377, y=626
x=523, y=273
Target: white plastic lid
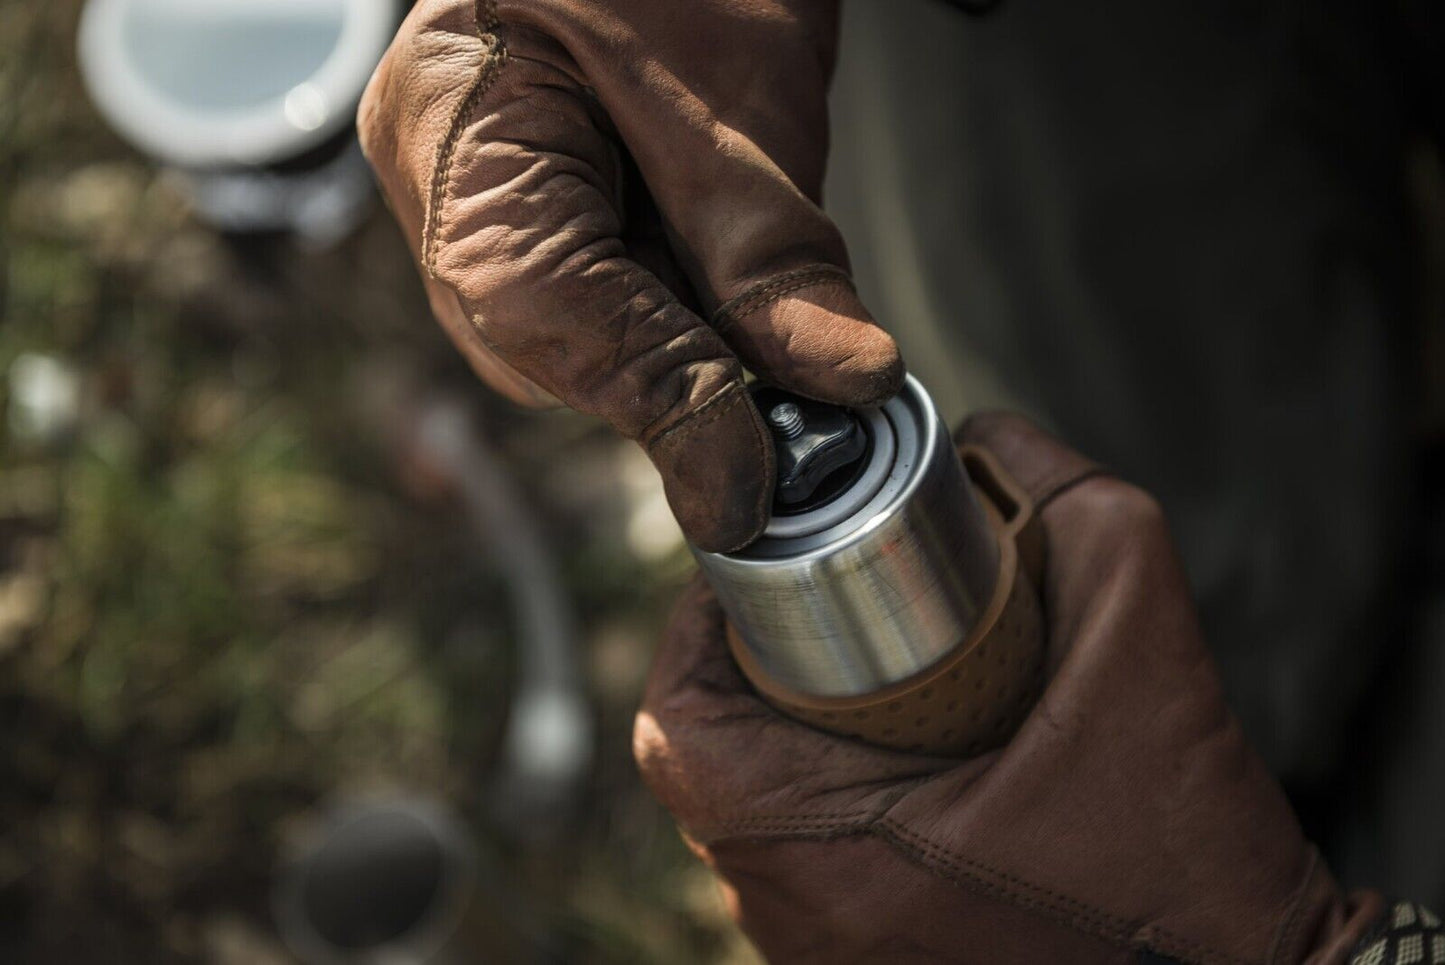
x=216, y=83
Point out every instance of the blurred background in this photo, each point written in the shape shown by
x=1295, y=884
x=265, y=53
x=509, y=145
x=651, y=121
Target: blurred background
x=287, y=597
x=243, y=580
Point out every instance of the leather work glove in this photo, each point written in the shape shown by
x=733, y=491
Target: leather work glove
x=615, y=203
x=1127, y=821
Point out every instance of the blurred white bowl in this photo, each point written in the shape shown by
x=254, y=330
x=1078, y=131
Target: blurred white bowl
x=206, y=84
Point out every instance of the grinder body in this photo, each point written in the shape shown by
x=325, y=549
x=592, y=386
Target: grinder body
x=898, y=606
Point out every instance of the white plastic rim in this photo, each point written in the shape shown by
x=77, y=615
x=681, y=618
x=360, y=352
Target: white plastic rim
x=278, y=124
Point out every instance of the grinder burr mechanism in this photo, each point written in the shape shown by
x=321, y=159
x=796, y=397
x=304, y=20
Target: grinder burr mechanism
x=891, y=597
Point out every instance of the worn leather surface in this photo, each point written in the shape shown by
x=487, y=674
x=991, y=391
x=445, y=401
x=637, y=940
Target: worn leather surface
x=1127, y=821
x=616, y=205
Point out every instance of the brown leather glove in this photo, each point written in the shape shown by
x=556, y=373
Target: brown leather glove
x=1126, y=821
x=577, y=179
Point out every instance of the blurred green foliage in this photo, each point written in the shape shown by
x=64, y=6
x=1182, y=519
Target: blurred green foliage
x=222, y=600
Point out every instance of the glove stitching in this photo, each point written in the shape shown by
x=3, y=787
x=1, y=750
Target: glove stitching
x=734, y=316
x=1062, y=482
x=1285, y=937
x=797, y=825
x=735, y=309
x=723, y=402
x=1097, y=921
x=1114, y=928
x=1082, y=915
x=1056, y=906
x=484, y=17
x=823, y=820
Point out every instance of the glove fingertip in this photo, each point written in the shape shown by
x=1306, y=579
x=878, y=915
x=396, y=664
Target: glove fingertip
x=842, y=360
x=816, y=338
x=717, y=471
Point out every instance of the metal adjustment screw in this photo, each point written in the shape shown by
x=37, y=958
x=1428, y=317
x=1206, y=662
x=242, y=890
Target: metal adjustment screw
x=787, y=418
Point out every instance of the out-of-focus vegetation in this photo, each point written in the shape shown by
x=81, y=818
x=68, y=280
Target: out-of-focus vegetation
x=226, y=595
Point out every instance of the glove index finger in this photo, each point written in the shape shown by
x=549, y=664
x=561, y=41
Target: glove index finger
x=717, y=467
x=730, y=140
x=513, y=194
x=807, y=330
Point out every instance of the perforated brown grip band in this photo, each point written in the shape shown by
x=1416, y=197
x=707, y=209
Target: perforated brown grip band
x=974, y=698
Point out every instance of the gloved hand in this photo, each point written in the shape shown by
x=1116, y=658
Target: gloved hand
x=1127, y=820
x=580, y=179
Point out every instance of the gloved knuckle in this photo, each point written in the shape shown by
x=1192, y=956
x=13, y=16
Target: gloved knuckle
x=1125, y=505
x=647, y=744
x=368, y=114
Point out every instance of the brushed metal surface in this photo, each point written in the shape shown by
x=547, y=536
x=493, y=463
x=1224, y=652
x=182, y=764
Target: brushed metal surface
x=883, y=594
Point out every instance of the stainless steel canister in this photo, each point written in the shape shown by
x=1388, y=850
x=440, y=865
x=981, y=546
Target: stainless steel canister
x=879, y=583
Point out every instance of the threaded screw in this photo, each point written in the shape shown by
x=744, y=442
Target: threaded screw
x=787, y=419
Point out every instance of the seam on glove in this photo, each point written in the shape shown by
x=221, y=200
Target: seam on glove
x=722, y=402
x=803, y=826
x=735, y=309
x=1055, y=486
x=494, y=58
x=1001, y=884
x=857, y=820
x=1076, y=914
x=1284, y=938
x=966, y=872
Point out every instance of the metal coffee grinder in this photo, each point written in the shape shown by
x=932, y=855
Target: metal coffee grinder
x=892, y=596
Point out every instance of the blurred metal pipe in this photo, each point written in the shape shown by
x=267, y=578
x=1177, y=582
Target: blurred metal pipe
x=548, y=747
